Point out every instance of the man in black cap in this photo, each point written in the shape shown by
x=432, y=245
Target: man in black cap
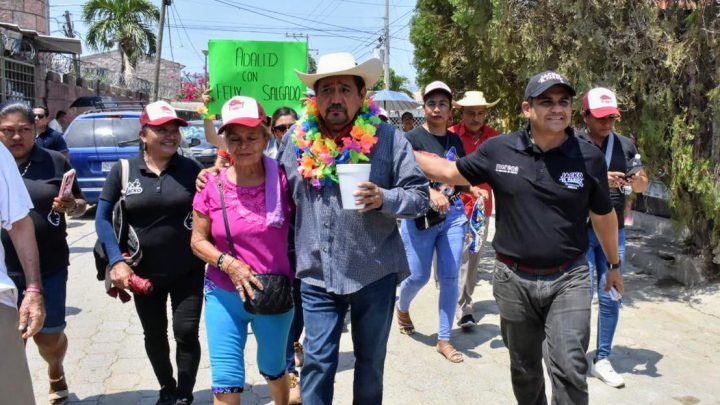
x=546, y=183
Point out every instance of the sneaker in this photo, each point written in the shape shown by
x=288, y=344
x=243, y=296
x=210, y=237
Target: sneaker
x=167, y=396
x=467, y=322
x=604, y=371
x=295, y=397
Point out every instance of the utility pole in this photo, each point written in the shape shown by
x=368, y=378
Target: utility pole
x=70, y=33
x=156, y=89
x=387, y=45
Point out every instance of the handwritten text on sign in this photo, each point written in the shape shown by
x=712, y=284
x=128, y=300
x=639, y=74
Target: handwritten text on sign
x=260, y=69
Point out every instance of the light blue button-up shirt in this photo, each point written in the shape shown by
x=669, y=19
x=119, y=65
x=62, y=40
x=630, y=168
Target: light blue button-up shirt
x=345, y=250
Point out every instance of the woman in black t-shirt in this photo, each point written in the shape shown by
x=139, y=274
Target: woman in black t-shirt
x=158, y=201
x=42, y=172
x=446, y=238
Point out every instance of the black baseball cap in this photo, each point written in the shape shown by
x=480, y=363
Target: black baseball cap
x=542, y=81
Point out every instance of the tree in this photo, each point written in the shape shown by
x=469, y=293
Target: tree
x=126, y=24
x=659, y=57
x=397, y=83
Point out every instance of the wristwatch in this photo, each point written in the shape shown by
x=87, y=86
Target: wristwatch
x=615, y=266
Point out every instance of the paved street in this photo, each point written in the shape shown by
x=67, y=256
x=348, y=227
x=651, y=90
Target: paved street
x=666, y=348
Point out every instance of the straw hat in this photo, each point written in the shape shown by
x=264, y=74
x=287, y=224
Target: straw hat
x=474, y=99
x=341, y=64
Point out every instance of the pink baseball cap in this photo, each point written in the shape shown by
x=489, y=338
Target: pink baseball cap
x=601, y=102
x=159, y=113
x=241, y=110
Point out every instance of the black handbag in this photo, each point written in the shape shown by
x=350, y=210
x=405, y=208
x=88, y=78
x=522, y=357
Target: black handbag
x=433, y=217
x=276, y=295
x=124, y=232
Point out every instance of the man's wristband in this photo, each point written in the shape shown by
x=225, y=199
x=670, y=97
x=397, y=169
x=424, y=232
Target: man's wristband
x=35, y=290
x=615, y=266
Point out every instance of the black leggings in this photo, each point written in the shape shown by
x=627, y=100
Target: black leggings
x=186, y=298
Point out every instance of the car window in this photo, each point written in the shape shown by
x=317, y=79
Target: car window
x=126, y=130
x=89, y=133
x=193, y=131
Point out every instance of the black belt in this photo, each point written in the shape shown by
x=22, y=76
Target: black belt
x=534, y=270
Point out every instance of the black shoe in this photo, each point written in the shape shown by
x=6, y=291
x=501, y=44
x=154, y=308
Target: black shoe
x=183, y=401
x=167, y=396
x=467, y=322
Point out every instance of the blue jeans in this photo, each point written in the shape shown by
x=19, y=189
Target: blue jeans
x=371, y=316
x=447, y=240
x=296, y=328
x=609, y=309
x=55, y=286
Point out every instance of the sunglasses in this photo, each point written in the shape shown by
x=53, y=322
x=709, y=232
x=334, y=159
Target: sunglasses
x=283, y=128
x=41, y=116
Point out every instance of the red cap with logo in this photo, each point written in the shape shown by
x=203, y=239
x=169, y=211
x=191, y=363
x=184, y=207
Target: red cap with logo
x=159, y=113
x=241, y=110
x=601, y=102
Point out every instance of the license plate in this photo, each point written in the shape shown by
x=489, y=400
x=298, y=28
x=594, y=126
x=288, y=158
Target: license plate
x=106, y=166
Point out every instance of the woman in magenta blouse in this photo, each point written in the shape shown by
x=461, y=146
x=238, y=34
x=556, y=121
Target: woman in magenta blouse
x=259, y=209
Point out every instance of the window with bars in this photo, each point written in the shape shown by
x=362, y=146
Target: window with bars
x=18, y=81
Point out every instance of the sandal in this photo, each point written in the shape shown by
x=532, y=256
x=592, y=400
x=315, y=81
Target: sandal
x=58, y=391
x=299, y=354
x=404, y=321
x=448, y=351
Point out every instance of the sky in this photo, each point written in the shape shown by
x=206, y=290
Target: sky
x=332, y=25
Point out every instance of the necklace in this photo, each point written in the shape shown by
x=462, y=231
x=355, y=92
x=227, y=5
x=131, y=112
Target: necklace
x=26, y=168
x=318, y=155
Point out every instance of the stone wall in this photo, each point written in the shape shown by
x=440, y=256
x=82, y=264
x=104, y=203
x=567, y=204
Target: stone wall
x=28, y=14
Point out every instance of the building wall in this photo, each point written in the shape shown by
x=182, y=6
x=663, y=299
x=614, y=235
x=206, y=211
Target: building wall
x=28, y=14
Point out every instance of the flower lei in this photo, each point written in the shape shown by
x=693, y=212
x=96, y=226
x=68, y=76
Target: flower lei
x=318, y=156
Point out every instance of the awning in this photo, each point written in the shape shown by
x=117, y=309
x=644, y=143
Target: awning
x=46, y=43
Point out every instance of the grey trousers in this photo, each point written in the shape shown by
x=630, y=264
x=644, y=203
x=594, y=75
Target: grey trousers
x=546, y=317
x=15, y=381
x=467, y=278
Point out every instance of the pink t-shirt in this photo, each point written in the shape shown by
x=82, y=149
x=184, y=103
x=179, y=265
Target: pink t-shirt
x=263, y=248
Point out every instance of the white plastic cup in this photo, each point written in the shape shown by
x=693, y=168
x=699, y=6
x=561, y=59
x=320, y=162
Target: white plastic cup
x=349, y=176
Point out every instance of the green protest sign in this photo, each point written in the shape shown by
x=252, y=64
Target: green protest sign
x=263, y=70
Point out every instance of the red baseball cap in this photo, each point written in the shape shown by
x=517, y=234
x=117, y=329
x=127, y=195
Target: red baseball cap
x=159, y=113
x=601, y=102
x=241, y=110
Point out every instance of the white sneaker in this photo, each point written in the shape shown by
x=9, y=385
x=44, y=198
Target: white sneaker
x=605, y=372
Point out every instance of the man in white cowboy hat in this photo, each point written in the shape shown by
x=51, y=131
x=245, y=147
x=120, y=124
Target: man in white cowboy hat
x=473, y=131
x=348, y=257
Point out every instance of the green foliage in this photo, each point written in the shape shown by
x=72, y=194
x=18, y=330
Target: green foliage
x=397, y=83
x=662, y=64
x=127, y=24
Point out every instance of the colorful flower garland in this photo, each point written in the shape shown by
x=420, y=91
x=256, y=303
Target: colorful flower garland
x=317, y=155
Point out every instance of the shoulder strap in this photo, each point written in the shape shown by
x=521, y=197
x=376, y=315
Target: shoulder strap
x=125, y=175
x=225, y=218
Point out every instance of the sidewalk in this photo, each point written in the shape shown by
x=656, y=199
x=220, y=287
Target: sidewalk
x=666, y=348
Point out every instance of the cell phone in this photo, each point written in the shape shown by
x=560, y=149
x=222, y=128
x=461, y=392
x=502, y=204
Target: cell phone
x=66, y=185
x=614, y=294
x=635, y=170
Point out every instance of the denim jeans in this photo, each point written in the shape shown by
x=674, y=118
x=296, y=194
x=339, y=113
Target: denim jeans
x=545, y=317
x=371, y=316
x=296, y=328
x=447, y=239
x=609, y=310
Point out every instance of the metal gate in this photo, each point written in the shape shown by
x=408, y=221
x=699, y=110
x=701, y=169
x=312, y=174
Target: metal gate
x=17, y=81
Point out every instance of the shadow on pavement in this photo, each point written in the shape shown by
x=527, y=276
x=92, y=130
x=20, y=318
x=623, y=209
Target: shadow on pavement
x=70, y=311
x=80, y=249
x=628, y=360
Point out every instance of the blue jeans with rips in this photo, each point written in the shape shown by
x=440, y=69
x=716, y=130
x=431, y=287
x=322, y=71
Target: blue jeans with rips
x=609, y=310
x=446, y=239
x=371, y=316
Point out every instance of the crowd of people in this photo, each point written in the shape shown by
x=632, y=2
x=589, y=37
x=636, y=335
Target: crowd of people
x=262, y=239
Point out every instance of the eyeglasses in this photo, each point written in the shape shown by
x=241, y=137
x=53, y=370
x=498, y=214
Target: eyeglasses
x=41, y=116
x=441, y=105
x=281, y=128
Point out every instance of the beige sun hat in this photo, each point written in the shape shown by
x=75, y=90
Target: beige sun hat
x=474, y=99
x=340, y=64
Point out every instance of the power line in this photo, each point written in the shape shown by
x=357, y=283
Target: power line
x=368, y=3
x=199, y=55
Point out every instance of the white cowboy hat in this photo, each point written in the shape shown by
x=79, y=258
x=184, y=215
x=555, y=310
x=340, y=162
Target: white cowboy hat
x=340, y=64
x=474, y=99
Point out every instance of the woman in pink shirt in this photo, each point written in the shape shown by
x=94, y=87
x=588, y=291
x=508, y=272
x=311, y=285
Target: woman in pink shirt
x=259, y=209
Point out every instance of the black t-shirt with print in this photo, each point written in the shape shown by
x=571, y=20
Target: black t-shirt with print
x=159, y=208
x=422, y=140
x=623, y=152
x=45, y=170
x=543, y=198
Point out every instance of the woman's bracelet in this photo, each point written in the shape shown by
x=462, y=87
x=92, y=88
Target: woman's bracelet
x=34, y=290
x=219, y=261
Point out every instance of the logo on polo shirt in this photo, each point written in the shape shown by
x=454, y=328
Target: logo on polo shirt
x=188, y=221
x=53, y=217
x=572, y=180
x=134, y=187
x=510, y=169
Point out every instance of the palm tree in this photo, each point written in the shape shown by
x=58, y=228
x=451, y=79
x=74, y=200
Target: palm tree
x=397, y=83
x=125, y=23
